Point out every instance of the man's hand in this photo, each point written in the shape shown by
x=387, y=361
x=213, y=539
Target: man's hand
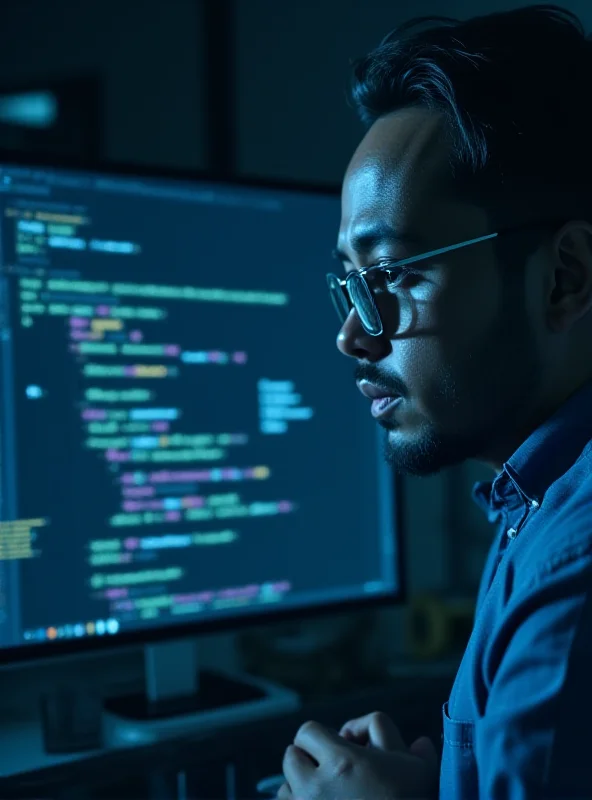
x=378, y=730
x=368, y=759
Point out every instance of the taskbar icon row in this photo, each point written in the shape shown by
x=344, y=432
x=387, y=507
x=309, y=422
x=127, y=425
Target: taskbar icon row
x=100, y=627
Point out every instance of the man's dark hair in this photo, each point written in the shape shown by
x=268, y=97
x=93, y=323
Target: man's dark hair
x=513, y=89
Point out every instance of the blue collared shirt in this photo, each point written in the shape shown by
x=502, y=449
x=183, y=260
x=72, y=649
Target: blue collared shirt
x=518, y=723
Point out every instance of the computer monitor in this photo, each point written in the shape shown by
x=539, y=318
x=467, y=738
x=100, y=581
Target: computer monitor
x=182, y=448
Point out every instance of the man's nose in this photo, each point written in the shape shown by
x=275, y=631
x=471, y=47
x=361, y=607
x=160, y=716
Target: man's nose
x=355, y=342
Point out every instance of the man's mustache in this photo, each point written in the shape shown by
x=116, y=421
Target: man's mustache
x=391, y=384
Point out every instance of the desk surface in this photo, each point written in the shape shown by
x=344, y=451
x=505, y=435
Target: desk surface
x=414, y=703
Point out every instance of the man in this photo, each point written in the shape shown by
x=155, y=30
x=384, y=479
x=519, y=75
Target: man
x=465, y=303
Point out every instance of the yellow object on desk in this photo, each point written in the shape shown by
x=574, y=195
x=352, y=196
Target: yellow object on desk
x=439, y=625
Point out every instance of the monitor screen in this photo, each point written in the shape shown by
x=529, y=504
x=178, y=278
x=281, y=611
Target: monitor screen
x=180, y=441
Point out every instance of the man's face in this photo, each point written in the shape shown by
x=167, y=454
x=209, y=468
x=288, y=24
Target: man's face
x=458, y=349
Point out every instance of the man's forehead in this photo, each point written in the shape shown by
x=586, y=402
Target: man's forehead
x=404, y=138
x=378, y=195
x=368, y=180
x=404, y=152
x=399, y=177
x=371, y=193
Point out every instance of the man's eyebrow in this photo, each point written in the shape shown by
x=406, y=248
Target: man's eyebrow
x=366, y=239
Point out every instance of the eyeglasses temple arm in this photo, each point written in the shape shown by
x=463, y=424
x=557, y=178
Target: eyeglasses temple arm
x=440, y=250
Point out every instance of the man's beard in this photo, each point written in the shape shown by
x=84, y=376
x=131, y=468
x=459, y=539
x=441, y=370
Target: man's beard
x=431, y=451
x=498, y=382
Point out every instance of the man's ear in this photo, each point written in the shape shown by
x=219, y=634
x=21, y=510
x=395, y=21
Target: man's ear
x=570, y=297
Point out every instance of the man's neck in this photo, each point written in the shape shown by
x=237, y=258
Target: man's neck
x=504, y=448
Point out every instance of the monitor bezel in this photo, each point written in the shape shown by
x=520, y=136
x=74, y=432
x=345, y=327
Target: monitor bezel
x=89, y=645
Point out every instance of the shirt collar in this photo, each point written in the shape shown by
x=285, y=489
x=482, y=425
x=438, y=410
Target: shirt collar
x=543, y=458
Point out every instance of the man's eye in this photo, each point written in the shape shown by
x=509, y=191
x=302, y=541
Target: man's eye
x=398, y=275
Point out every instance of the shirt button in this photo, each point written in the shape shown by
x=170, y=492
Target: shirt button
x=511, y=533
x=534, y=505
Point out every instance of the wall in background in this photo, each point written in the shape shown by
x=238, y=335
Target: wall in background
x=292, y=73
x=147, y=52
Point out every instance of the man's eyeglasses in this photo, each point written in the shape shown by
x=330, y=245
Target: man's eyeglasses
x=353, y=291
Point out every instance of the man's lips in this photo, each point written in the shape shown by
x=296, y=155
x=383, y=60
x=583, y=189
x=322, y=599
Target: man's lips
x=383, y=400
x=375, y=392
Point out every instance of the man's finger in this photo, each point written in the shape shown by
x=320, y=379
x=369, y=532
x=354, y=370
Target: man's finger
x=284, y=792
x=298, y=768
x=424, y=748
x=318, y=741
x=376, y=729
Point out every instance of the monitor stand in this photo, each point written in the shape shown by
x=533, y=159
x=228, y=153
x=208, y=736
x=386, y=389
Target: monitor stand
x=179, y=700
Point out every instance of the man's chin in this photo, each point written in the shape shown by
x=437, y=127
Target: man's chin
x=421, y=455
